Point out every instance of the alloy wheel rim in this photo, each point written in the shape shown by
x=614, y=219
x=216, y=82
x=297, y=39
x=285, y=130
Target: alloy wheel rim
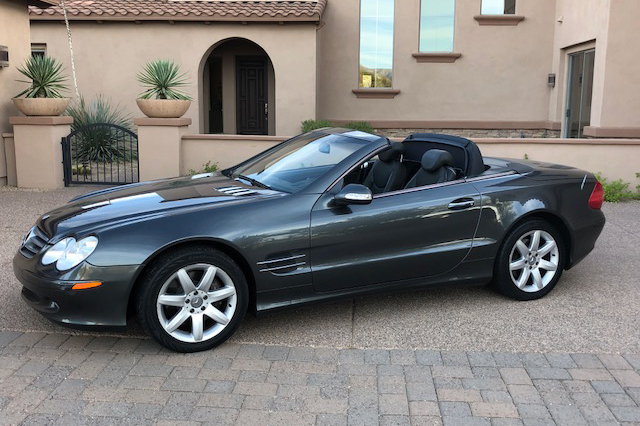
x=534, y=260
x=196, y=303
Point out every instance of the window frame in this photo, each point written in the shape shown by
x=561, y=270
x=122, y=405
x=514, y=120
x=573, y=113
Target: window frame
x=393, y=54
x=453, y=41
x=515, y=9
x=39, y=49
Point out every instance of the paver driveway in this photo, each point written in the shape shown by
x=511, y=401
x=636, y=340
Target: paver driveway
x=443, y=357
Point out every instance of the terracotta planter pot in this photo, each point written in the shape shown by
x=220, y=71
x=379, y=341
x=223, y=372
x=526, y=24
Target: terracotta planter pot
x=163, y=108
x=41, y=106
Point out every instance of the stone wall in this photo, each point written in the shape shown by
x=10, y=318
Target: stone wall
x=475, y=133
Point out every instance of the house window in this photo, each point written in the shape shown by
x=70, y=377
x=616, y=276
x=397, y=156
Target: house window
x=376, y=43
x=498, y=7
x=437, y=25
x=38, y=49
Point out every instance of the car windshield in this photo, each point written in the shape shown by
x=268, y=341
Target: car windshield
x=298, y=163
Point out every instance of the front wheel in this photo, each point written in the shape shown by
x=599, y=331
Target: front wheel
x=192, y=299
x=530, y=261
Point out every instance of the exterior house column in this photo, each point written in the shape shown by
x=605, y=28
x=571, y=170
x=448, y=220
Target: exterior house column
x=38, y=150
x=159, y=146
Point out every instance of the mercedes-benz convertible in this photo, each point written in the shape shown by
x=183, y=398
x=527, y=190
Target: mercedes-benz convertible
x=329, y=214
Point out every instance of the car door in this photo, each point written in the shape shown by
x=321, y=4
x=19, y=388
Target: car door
x=400, y=235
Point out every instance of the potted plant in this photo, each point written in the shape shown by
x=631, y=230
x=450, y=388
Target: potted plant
x=163, y=98
x=44, y=96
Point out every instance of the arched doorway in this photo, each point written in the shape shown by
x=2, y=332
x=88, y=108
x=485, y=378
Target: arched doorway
x=238, y=89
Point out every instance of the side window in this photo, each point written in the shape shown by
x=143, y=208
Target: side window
x=360, y=173
x=498, y=7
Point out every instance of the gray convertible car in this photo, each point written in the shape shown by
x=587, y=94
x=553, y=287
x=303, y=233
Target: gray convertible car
x=329, y=214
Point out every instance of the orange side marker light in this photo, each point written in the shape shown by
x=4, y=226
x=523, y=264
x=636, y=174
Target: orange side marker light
x=84, y=286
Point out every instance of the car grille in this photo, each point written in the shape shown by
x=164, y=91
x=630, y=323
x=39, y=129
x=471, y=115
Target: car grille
x=34, y=242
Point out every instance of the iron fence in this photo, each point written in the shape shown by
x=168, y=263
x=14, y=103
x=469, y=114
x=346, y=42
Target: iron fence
x=100, y=153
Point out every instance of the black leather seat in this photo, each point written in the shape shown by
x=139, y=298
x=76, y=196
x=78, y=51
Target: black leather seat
x=435, y=167
x=388, y=174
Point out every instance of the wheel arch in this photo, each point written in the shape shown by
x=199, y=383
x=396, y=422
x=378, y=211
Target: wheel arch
x=224, y=246
x=555, y=220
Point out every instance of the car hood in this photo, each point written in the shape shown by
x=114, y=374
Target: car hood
x=148, y=198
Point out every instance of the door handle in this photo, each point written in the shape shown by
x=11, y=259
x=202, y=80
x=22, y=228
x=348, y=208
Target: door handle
x=461, y=204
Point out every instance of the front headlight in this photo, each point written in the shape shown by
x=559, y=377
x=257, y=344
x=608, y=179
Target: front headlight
x=68, y=253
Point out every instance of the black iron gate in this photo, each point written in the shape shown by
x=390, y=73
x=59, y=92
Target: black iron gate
x=100, y=154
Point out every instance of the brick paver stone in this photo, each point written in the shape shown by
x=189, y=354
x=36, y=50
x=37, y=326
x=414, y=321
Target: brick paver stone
x=51, y=379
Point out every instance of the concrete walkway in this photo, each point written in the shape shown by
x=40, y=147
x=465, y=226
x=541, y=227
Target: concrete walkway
x=56, y=379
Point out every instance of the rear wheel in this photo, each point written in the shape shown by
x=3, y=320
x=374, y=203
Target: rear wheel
x=192, y=299
x=530, y=261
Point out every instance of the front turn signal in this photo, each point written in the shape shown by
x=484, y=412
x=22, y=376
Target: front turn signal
x=84, y=286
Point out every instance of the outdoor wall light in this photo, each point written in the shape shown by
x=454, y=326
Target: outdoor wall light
x=551, y=80
x=4, y=56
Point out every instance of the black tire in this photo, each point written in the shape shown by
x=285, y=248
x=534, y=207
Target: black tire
x=503, y=281
x=162, y=269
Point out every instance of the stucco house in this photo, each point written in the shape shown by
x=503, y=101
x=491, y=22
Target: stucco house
x=509, y=68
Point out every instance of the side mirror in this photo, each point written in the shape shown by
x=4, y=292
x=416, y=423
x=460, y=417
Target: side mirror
x=353, y=194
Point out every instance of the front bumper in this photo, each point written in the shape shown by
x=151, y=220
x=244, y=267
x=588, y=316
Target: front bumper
x=52, y=296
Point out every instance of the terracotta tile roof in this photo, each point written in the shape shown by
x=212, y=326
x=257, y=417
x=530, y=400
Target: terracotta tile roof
x=185, y=10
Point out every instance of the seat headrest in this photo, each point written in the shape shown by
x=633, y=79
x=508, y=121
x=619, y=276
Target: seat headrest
x=433, y=159
x=392, y=153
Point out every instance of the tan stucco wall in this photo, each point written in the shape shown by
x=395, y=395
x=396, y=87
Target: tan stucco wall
x=109, y=55
x=14, y=33
x=223, y=151
x=621, y=99
x=609, y=26
x=579, y=25
x=609, y=157
x=501, y=75
x=38, y=154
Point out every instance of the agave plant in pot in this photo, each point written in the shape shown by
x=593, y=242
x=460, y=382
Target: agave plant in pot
x=163, y=98
x=44, y=96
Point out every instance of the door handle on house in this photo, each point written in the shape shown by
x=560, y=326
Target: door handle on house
x=461, y=204
x=266, y=109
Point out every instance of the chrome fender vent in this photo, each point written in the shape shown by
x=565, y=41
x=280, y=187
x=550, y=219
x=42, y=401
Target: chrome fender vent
x=282, y=263
x=237, y=191
x=34, y=242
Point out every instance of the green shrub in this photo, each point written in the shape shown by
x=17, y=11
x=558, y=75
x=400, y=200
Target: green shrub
x=81, y=170
x=47, y=80
x=206, y=168
x=162, y=79
x=100, y=143
x=362, y=126
x=618, y=190
x=309, y=125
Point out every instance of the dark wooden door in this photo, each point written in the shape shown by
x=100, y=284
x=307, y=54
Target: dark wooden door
x=251, y=96
x=215, y=96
